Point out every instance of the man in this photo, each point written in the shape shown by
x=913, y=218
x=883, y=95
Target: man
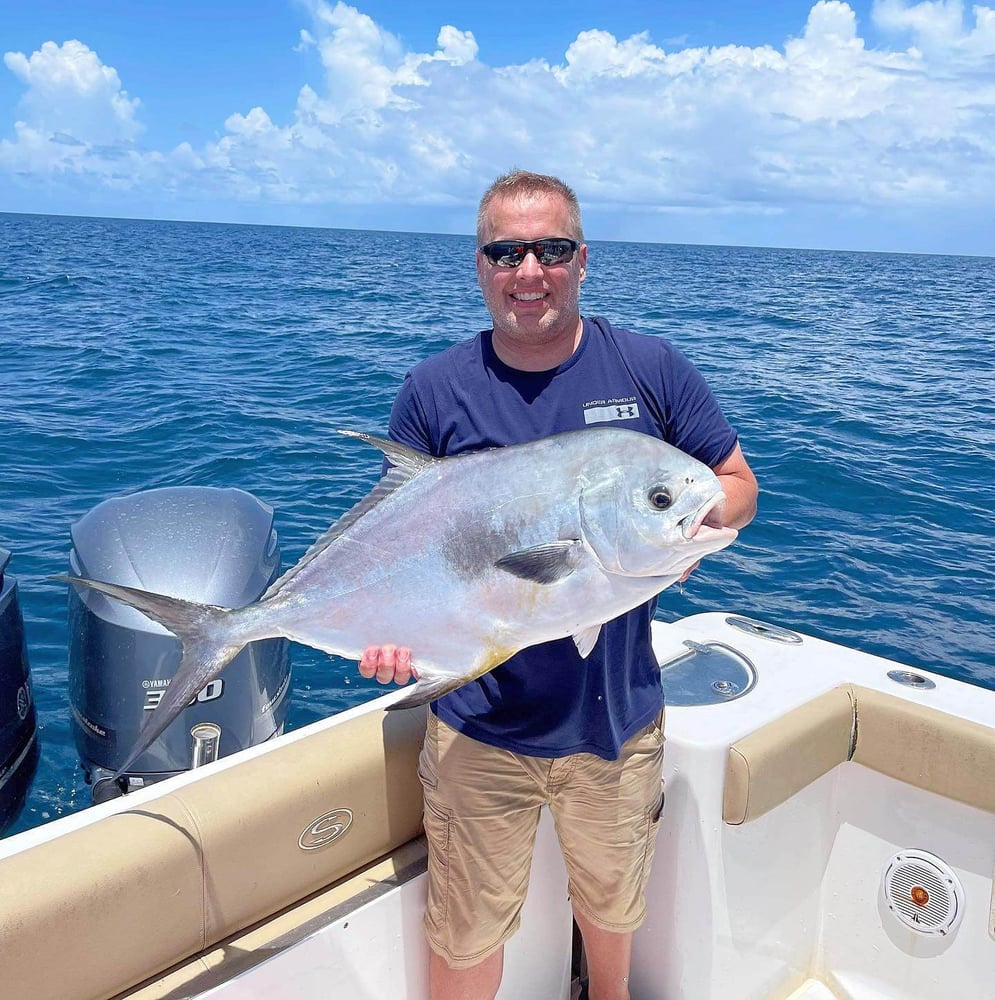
x=583, y=736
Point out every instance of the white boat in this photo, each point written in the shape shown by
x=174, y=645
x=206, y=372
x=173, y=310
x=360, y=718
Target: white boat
x=829, y=832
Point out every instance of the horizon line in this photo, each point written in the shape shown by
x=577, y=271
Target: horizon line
x=421, y=232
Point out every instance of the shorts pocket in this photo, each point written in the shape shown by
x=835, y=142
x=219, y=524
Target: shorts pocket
x=653, y=817
x=657, y=729
x=439, y=827
x=439, y=833
x=657, y=812
x=427, y=770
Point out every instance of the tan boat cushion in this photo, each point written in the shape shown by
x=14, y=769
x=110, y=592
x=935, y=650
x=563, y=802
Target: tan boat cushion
x=927, y=748
x=781, y=758
x=88, y=913
x=217, y=965
x=104, y=907
x=921, y=746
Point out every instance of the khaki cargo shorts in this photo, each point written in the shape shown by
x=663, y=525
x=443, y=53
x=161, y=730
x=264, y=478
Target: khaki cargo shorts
x=481, y=814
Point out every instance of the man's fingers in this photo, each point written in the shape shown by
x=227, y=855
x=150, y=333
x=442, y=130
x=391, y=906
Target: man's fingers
x=402, y=665
x=370, y=661
x=385, y=668
x=387, y=663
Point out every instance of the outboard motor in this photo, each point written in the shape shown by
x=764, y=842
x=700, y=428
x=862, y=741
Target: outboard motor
x=18, y=723
x=213, y=546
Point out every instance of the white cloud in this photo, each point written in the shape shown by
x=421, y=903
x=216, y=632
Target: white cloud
x=307, y=41
x=821, y=118
x=455, y=46
x=935, y=24
x=70, y=91
x=598, y=53
x=366, y=67
x=941, y=30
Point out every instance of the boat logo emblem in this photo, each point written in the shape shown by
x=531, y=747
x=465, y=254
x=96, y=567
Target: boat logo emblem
x=23, y=702
x=326, y=828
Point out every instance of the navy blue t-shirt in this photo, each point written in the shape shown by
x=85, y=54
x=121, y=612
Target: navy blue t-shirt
x=546, y=701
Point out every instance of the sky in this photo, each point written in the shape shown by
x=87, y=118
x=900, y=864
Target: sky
x=860, y=125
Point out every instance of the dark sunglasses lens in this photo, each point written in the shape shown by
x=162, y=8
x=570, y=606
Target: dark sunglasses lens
x=507, y=253
x=555, y=251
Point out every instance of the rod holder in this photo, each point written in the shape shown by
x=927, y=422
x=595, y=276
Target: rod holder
x=206, y=740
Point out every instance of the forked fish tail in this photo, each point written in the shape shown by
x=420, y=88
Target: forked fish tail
x=211, y=637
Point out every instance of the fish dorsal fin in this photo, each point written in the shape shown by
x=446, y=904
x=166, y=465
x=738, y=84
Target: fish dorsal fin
x=545, y=563
x=399, y=455
x=407, y=464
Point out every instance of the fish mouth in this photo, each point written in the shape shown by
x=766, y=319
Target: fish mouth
x=706, y=524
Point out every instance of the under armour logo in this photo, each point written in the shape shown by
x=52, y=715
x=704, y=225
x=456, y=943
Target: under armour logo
x=607, y=412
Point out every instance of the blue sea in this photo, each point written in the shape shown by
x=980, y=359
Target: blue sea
x=140, y=354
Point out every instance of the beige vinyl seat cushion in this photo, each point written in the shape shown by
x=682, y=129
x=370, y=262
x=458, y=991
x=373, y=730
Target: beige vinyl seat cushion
x=95, y=911
x=921, y=746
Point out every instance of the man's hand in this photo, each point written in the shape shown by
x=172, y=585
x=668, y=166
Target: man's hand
x=740, y=487
x=387, y=663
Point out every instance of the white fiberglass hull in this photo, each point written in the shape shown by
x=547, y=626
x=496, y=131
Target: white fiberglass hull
x=296, y=868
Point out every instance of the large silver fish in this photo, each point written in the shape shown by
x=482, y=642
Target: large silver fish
x=467, y=560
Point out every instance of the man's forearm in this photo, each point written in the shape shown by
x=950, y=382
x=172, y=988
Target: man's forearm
x=741, y=501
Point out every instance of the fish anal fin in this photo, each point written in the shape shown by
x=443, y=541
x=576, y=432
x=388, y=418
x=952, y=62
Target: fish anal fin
x=585, y=640
x=426, y=690
x=544, y=563
x=433, y=684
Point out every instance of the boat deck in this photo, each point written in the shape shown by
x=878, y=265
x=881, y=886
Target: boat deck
x=813, y=990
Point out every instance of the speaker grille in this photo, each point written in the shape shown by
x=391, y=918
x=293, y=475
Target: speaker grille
x=923, y=892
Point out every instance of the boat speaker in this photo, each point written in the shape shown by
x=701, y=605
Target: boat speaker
x=923, y=892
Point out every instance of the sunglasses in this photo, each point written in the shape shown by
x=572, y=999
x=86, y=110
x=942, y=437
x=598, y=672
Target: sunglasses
x=511, y=253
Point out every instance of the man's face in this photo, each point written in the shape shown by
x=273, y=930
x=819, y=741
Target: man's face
x=531, y=304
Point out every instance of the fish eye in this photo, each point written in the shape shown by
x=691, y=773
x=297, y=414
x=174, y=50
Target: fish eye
x=660, y=497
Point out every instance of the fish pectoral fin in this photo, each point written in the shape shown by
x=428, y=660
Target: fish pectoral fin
x=585, y=640
x=544, y=563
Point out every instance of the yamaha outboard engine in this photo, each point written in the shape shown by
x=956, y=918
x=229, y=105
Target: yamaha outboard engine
x=213, y=546
x=18, y=746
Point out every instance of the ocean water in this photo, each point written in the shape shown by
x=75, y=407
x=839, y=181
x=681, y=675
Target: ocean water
x=136, y=355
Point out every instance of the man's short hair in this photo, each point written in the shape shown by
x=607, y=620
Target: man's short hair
x=526, y=185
